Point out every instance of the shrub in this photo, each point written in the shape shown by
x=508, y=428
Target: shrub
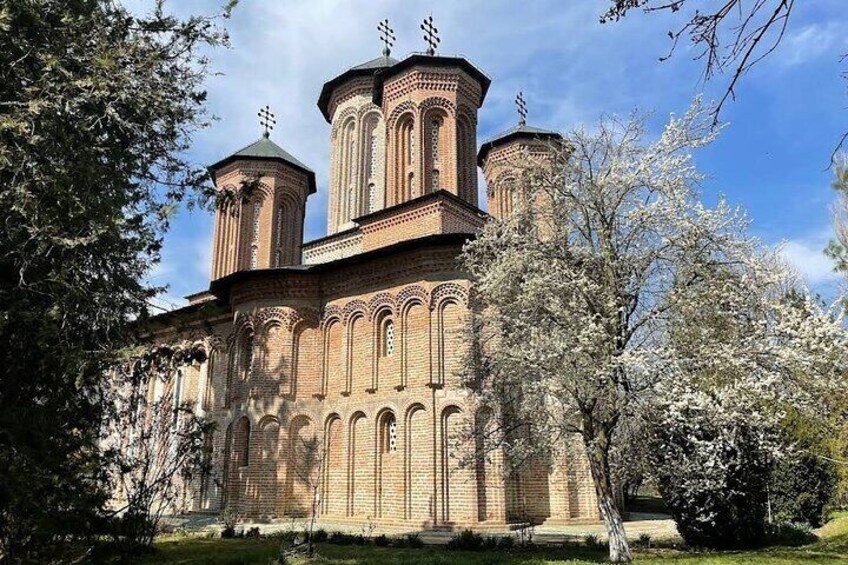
x=490, y=543
x=506, y=543
x=412, y=541
x=252, y=533
x=644, y=540
x=341, y=538
x=712, y=459
x=382, y=541
x=799, y=489
x=467, y=540
x=320, y=536
x=790, y=534
x=593, y=542
x=228, y=518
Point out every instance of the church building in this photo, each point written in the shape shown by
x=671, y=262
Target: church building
x=333, y=367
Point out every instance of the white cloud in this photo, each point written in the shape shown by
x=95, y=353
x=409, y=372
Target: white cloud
x=810, y=42
x=807, y=256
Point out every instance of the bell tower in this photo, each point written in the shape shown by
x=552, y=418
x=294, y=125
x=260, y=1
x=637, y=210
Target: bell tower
x=430, y=105
x=503, y=157
x=263, y=229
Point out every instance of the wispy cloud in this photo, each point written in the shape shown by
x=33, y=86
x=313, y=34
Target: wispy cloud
x=806, y=255
x=812, y=41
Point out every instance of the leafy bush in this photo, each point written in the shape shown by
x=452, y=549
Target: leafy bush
x=252, y=533
x=799, y=489
x=593, y=542
x=712, y=458
x=466, y=540
x=412, y=541
x=341, y=538
x=790, y=534
x=382, y=541
x=645, y=540
x=320, y=536
x=228, y=519
x=506, y=543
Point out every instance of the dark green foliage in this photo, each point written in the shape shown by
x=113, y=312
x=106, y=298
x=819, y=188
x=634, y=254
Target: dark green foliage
x=319, y=536
x=382, y=541
x=466, y=540
x=789, y=534
x=96, y=110
x=799, y=489
x=412, y=541
x=341, y=538
x=252, y=533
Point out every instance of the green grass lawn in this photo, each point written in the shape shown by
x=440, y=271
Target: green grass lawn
x=831, y=548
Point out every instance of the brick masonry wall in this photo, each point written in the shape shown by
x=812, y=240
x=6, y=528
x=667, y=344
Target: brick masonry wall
x=320, y=384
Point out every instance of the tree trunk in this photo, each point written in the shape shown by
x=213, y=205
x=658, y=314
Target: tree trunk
x=597, y=450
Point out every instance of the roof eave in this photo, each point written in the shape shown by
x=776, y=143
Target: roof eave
x=434, y=60
x=310, y=175
x=491, y=144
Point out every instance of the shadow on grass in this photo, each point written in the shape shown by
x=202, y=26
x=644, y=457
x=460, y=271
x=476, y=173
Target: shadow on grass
x=193, y=550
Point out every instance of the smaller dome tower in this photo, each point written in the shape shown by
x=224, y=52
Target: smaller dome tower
x=501, y=158
x=266, y=229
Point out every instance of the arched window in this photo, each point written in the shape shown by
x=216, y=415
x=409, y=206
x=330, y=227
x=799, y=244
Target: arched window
x=178, y=393
x=254, y=256
x=435, y=127
x=247, y=355
x=241, y=442
x=254, y=236
x=389, y=433
x=410, y=142
x=278, y=255
x=388, y=338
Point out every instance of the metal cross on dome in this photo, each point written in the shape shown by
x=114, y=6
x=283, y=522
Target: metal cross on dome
x=522, y=108
x=387, y=36
x=431, y=35
x=266, y=120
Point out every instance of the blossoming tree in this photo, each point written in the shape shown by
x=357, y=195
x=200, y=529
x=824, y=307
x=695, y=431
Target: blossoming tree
x=577, y=290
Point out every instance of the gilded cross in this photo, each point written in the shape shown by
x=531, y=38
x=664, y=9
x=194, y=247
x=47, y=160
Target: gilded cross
x=431, y=35
x=522, y=108
x=387, y=36
x=266, y=120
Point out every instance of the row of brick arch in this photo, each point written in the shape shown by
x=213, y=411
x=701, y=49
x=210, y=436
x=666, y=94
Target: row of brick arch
x=346, y=353
x=389, y=464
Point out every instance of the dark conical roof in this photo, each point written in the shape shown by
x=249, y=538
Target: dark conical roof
x=431, y=61
x=266, y=150
x=364, y=69
x=522, y=130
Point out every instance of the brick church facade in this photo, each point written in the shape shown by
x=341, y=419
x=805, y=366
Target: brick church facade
x=333, y=366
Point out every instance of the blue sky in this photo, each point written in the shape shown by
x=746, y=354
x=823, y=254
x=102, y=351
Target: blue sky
x=772, y=158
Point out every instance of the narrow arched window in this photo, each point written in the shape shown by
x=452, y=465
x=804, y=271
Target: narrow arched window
x=372, y=151
x=390, y=434
x=388, y=338
x=410, y=143
x=254, y=256
x=241, y=443
x=247, y=356
x=278, y=255
x=254, y=236
x=178, y=393
x=435, y=127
